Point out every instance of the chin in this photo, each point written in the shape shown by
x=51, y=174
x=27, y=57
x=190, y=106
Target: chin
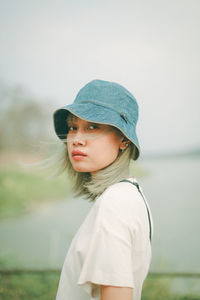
x=81, y=170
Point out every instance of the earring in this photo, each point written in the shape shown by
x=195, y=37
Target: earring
x=125, y=148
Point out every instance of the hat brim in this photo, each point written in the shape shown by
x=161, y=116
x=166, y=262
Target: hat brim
x=98, y=114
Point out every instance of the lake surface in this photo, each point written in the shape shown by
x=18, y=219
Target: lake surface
x=172, y=188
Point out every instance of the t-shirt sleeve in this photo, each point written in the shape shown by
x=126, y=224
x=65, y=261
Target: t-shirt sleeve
x=108, y=260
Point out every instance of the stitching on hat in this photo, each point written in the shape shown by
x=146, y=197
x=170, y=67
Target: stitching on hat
x=124, y=118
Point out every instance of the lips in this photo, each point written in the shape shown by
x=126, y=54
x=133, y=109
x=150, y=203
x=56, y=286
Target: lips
x=78, y=153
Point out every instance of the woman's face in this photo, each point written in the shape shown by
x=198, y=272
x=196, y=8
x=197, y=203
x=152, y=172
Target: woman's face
x=92, y=146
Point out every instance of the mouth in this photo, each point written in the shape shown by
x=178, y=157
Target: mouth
x=78, y=155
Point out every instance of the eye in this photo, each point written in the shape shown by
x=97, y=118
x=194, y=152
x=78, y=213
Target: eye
x=71, y=128
x=93, y=127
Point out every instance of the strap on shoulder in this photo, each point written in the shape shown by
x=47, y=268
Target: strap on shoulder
x=148, y=213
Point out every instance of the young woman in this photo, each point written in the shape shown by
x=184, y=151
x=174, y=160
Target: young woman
x=109, y=256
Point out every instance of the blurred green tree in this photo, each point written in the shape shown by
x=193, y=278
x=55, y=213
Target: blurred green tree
x=24, y=120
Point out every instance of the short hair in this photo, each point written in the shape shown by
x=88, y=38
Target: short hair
x=91, y=187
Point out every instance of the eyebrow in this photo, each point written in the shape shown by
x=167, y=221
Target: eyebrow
x=71, y=122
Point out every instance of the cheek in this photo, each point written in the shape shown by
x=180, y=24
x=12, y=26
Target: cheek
x=69, y=148
x=107, y=147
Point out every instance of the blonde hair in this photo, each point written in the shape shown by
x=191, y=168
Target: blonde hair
x=91, y=187
x=83, y=184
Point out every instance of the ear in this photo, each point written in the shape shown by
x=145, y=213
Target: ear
x=124, y=143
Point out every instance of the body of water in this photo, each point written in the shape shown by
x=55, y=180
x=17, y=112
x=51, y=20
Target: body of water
x=171, y=186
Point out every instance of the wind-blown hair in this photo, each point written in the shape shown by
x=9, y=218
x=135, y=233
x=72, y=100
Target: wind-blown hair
x=90, y=187
x=83, y=184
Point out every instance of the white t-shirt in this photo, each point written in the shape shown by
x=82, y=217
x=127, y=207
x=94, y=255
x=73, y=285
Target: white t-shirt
x=111, y=247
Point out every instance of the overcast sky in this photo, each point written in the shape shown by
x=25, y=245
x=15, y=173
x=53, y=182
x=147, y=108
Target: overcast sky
x=151, y=47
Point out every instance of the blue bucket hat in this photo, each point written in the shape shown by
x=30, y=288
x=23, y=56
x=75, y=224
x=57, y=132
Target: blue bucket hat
x=102, y=102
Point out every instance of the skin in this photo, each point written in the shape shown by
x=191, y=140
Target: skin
x=116, y=293
x=101, y=143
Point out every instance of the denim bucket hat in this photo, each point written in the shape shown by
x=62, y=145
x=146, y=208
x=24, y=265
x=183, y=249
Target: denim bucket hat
x=102, y=102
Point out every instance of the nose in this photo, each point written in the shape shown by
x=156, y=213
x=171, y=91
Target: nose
x=79, y=139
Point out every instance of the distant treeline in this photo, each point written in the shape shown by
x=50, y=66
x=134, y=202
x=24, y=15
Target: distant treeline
x=186, y=153
x=23, y=119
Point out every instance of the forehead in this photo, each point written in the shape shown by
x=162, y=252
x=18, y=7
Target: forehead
x=75, y=119
x=71, y=117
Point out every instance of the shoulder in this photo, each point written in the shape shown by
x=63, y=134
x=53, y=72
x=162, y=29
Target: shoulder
x=121, y=198
x=121, y=192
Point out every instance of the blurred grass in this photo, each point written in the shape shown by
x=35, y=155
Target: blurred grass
x=22, y=191
x=28, y=286
x=43, y=286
